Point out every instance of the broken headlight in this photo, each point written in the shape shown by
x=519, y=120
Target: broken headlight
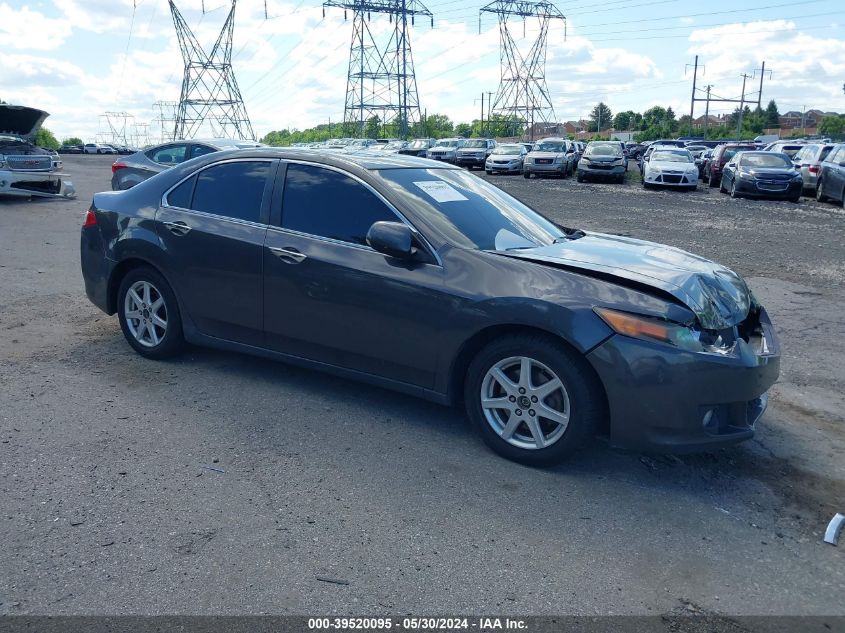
x=675, y=334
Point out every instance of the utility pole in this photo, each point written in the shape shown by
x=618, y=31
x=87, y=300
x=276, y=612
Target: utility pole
x=482, y=113
x=803, y=113
x=707, y=110
x=489, y=102
x=741, y=107
x=692, y=99
x=763, y=72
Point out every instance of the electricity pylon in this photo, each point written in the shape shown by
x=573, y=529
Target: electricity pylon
x=115, y=128
x=381, y=81
x=523, y=95
x=210, y=97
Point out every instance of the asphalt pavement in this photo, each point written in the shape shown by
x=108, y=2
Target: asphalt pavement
x=221, y=483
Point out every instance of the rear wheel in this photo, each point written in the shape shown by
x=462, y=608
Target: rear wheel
x=712, y=181
x=734, y=192
x=820, y=195
x=149, y=314
x=532, y=399
x=579, y=177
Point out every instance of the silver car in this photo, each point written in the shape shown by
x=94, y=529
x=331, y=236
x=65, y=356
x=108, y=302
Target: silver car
x=129, y=171
x=507, y=158
x=554, y=156
x=808, y=162
x=446, y=149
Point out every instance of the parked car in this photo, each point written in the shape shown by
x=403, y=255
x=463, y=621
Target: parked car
x=446, y=149
x=508, y=158
x=70, y=149
x=808, y=161
x=721, y=155
x=790, y=148
x=602, y=161
x=762, y=174
x=831, y=181
x=474, y=153
x=418, y=147
x=667, y=142
x=26, y=169
x=618, y=144
x=98, y=148
x=428, y=280
x=701, y=160
x=634, y=150
x=550, y=156
x=392, y=147
x=128, y=172
x=670, y=167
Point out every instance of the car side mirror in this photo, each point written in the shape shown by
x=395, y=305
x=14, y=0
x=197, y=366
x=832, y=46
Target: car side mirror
x=842, y=163
x=393, y=239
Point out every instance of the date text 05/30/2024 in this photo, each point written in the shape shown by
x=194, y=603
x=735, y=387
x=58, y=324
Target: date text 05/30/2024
x=417, y=624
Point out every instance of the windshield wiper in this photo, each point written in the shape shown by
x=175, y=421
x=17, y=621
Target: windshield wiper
x=568, y=234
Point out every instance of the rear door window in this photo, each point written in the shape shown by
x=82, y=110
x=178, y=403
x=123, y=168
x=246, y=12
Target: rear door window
x=201, y=150
x=234, y=190
x=169, y=154
x=327, y=203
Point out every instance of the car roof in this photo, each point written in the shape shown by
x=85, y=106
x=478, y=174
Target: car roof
x=362, y=160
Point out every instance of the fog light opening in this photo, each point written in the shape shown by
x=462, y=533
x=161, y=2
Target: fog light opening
x=709, y=422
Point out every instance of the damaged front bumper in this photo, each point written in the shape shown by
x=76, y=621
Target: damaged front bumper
x=667, y=399
x=36, y=183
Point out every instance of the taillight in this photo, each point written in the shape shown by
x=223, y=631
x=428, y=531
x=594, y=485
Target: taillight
x=813, y=169
x=118, y=165
x=90, y=219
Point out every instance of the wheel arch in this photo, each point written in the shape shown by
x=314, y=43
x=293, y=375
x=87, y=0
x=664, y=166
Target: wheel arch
x=120, y=271
x=473, y=345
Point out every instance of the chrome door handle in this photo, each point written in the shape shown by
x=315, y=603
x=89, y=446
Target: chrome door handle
x=177, y=228
x=288, y=254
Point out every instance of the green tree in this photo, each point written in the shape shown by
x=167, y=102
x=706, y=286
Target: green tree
x=772, y=115
x=832, y=126
x=372, y=127
x=438, y=126
x=463, y=129
x=73, y=140
x=626, y=120
x=45, y=138
x=653, y=117
x=600, y=118
x=670, y=114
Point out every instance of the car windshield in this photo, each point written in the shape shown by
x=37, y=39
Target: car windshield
x=789, y=150
x=730, y=151
x=418, y=143
x=508, y=149
x=668, y=156
x=549, y=146
x=447, y=143
x=769, y=159
x=468, y=211
x=602, y=150
x=476, y=143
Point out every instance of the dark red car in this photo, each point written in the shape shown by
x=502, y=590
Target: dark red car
x=721, y=155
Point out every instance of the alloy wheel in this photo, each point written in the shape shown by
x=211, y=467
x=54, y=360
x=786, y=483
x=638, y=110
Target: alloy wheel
x=145, y=313
x=525, y=403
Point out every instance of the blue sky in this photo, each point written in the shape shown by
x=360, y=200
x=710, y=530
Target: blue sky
x=76, y=59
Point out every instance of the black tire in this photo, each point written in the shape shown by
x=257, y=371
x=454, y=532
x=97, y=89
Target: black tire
x=734, y=193
x=526, y=175
x=586, y=399
x=489, y=172
x=712, y=181
x=579, y=177
x=620, y=179
x=819, y=192
x=795, y=198
x=721, y=188
x=172, y=341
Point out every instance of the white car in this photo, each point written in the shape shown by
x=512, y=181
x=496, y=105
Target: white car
x=670, y=167
x=25, y=169
x=507, y=158
x=97, y=148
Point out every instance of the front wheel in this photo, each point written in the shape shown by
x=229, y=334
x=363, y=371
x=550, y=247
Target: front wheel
x=579, y=177
x=820, y=196
x=734, y=192
x=712, y=181
x=489, y=172
x=532, y=399
x=149, y=314
x=526, y=174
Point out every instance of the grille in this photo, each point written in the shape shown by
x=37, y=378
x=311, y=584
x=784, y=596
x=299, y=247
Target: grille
x=29, y=163
x=672, y=178
x=543, y=161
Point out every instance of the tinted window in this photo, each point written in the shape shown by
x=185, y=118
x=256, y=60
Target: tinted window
x=232, y=189
x=327, y=203
x=769, y=159
x=201, y=150
x=169, y=154
x=181, y=196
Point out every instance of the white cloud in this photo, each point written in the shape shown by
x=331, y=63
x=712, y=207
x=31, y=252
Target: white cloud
x=25, y=29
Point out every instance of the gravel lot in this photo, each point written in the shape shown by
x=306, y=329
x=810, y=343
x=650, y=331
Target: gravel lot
x=221, y=483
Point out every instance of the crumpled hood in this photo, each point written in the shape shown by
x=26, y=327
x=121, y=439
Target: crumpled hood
x=719, y=297
x=21, y=121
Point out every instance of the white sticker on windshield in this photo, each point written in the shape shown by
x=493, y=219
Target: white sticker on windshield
x=440, y=191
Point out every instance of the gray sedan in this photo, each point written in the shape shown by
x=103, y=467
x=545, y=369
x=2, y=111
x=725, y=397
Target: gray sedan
x=128, y=172
x=418, y=276
x=808, y=161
